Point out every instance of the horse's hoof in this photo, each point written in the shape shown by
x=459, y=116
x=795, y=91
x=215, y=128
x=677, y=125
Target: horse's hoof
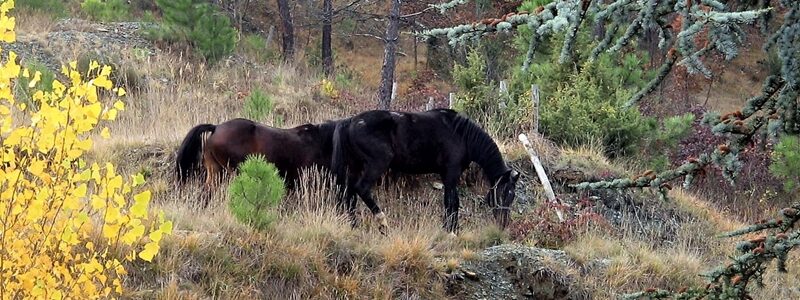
x=452, y=235
x=383, y=226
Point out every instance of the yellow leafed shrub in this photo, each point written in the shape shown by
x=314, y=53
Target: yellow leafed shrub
x=65, y=226
x=328, y=89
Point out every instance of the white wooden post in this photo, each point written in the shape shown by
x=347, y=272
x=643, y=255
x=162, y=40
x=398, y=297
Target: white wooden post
x=429, y=105
x=548, y=189
x=452, y=100
x=535, y=102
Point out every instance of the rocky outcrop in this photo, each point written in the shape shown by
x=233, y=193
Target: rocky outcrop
x=513, y=271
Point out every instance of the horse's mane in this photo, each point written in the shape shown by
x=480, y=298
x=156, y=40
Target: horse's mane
x=481, y=148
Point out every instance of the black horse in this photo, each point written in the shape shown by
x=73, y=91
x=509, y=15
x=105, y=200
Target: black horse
x=232, y=141
x=437, y=141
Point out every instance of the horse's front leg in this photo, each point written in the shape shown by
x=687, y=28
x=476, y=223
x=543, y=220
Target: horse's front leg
x=451, y=202
x=451, y=206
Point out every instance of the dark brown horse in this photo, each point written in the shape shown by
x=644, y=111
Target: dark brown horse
x=231, y=142
x=438, y=141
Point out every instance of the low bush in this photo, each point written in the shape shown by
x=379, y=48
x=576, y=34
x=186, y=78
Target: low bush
x=255, y=192
x=258, y=106
x=55, y=8
x=41, y=75
x=786, y=162
x=196, y=23
x=106, y=10
x=255, y=46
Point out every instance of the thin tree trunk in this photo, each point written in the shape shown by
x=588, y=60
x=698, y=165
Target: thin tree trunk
x=389, y=55
x=327, y=51
x=288, y=30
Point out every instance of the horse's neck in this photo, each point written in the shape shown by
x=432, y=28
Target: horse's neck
x=483, y=151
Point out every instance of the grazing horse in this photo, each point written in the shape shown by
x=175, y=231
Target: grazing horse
x=437, y=141
x=232, y=141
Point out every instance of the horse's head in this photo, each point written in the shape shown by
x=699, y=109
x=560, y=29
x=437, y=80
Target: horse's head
x=501, y=196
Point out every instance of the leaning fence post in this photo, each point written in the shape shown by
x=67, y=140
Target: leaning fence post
x=548, y=189
x=535, y=103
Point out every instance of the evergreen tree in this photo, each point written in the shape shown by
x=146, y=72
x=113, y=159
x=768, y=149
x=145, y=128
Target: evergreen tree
x=197, y=22
x=688, y=31
x=213, y=35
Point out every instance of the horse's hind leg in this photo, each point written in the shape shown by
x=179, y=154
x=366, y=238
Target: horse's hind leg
x=363, y=187
x=213, y=172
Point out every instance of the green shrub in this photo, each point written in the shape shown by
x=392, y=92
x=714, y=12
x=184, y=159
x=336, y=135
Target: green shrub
x=55, y=8
x=673, y=130
x=106, y=10
x=582, y=102
x=786, y=162
x=473, y=91
x=584, y=108
x=213, y=36
x=255, y=46
x=258, y=105
x=255, y=192
x=24, y=93
x=198, y=23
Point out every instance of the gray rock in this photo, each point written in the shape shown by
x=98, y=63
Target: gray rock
x=513, y=271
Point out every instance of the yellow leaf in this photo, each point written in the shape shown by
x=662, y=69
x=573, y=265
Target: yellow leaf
x=103, y=82
x=105, y=133
x=133, y=235
x=36, y=77
x=110, y=115
x=166, y=227
x=6, y=6
x=120, y=93
x=150, y=250
x=106, y=71
x=141, y=201
x=119, y=105
x=110, y=230
x=138, y=179
x=93, y=65
x=97, y=202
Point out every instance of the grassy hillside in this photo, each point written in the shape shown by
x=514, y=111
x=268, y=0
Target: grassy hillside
x=612, y=242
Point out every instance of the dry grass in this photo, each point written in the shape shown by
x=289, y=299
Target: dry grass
x=618, y=266
x=33, y=24
x=312, y=252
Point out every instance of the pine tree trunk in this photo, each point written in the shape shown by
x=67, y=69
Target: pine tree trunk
x=288, y=30
x=327, y=51
x=389, y=55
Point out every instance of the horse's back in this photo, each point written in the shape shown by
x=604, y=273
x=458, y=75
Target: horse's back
x=416, y=142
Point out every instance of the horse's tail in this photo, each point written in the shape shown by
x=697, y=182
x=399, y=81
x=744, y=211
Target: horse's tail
x=341, y=139
x=188, y=159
